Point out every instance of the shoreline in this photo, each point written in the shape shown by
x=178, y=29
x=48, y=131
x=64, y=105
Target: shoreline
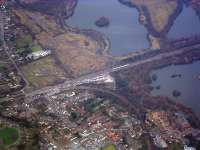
x=149, y=25
x=190, y=56
x=102, y=41
x=191, y=59
x=182, y=100
x=100, y=38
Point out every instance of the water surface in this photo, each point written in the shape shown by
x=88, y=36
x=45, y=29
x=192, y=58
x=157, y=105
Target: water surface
x=124, y=31
x=188, y=84
x=186, y=24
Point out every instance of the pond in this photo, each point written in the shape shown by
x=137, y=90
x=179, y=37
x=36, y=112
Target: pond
x=184, y=78
x=125, y=32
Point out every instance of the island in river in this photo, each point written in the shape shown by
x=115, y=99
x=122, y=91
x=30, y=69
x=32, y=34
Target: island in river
x=102, y=22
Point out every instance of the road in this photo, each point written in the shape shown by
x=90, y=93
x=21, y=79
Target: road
x=90, y=78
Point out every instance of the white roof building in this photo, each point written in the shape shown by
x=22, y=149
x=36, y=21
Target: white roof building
x=39, y=54
x=158, y=141
x=189, y=148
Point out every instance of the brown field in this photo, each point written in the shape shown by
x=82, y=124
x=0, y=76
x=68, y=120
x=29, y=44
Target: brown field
x=75, y=52
x=71, y=50
x=42, y=72
x=159, y=10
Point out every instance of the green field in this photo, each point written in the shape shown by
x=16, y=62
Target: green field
x=8, y=136
x=36, y=48
x=109, y=147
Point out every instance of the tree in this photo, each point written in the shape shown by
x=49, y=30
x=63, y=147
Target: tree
x=154, y=77
x=176, y=93
x=1, y=42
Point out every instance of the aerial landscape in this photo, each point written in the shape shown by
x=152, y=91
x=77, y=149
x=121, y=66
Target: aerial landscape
x=99, y=74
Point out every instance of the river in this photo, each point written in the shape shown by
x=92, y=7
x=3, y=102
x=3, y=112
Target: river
x=124, y=32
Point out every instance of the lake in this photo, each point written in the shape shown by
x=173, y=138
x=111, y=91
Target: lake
x=187, y=84
x=125, y=32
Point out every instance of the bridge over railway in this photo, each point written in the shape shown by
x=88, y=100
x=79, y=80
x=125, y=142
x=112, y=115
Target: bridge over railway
x=102, y=76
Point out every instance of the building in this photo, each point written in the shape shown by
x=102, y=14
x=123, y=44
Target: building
x=160, y=119
x=38, y=54
x=158, y=141
x=182, y=122
x=189, y=148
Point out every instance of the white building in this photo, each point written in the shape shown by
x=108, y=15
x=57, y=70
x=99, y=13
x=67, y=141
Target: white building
x=38, y=54
x=158, y=141
x=189, y=148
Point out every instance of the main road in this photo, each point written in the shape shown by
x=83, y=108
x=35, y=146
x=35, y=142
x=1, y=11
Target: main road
x=99, y=76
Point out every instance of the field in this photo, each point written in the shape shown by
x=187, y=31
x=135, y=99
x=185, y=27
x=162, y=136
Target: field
x=23, y=43
x=109, y=147
x=36, y=48
x=76, y=52
x=159, y=11
x=9, y=136
x=71, y=50
x=42, y=72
